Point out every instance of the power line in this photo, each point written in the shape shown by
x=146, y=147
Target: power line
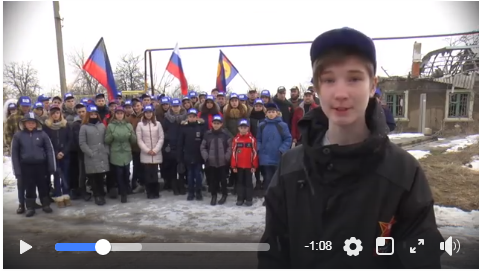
x=309, y=42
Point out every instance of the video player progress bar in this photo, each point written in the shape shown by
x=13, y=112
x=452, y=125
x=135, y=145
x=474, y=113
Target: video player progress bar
x=103, y=247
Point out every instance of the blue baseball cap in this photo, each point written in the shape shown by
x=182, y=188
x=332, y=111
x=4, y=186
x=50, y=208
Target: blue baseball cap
x=243, y=122
x=192, y=111
x=265, y=93
x=271, y=105
x=43, y=98
x=99, y=95
x=91, y=108
x=128, y=103
x=243, y=97
x=175, y=102
x=218, y=118
x=25, y=101
x=258, y=101
x=12, y=106
x=78, y=105
x=38, y=105
x=84, y=100
x=210, y=97
x=343, y=38
x=68, y=96
x=193, y=94
x=221, y=93
x=186, y=97
x=148, y=108
x=165, y=100
x=119, y=94
x=233, y=96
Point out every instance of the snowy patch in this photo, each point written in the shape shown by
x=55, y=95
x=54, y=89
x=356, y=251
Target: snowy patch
x=474, y=164
x=8, y=177
x=405, y=135
x=459, y=144
x=418, y=154
x=453, y=217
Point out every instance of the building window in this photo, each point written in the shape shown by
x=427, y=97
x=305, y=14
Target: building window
x=396, y=104
x=458, y=105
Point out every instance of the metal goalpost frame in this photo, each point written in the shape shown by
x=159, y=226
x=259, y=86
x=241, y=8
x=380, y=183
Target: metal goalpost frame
x=148, y=59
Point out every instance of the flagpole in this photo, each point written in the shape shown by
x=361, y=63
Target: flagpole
x=161, y=80
x=244, y=80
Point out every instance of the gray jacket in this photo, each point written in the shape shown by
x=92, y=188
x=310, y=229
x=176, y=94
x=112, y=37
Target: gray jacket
x=92, y=144
x=69, y=114
x=216, y=148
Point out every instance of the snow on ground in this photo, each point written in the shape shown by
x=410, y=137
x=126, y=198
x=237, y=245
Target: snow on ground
x=474, y=165
x=459, y=144
x=405, y=135
x=418, y=154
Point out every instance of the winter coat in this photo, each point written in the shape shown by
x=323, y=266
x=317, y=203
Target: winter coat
x=232, y=117
x=60, y=134
x=272, y=144
x=255, y=118
x=207, y=114
x=12, y=126
x=171, y=129
x=150, y=137
x=76, y=125
x=244, y=151
x=103, y=111
x=319, y=192
x=69, y=114
x=189, y=142
x=389, y=119
x=298, y=114
x=92, y=144
x=295, y=103
x=216, y=148
x=159, y=113
x=32, y=147
x=286, y=109
x=119, y=136
x=134, y=119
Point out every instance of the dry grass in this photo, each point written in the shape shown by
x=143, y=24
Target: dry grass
x=451, y=183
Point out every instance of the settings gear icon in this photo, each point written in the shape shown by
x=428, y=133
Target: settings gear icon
x=347, y=246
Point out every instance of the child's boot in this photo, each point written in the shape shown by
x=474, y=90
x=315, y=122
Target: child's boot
x=67, y=200
x=60, y=202
x=46, y=205
x=30, y=203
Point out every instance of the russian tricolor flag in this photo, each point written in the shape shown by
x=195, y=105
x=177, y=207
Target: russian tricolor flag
x=99, y=67
x=176, y=69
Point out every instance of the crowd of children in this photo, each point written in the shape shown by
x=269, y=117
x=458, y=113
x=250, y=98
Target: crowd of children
x=88, y=146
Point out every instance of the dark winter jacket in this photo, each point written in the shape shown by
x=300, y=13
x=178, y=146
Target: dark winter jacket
x=272, y=143
x=60, y=134
x=134, y=119
x=32, y=147
x=296, y=102
x=76, y=125
x=207, y=114
x=189, y=142
x=286, y=108
x=171, y=130
x=103, y=111
x=216, y=148
x=332, y=193
x=389, y=119
x=256, y=117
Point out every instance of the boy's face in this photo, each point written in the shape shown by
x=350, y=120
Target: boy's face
x=271, y=114
x=265, y=99
x=217, y=125
x=187, y=104
x=38, y=111
x=176, y=108
x=30, y=125
x=70, y=103
x=146, y=101
x=57, y=102
x=138, y=107
x=221, y=100
x=202, y=99
x=112, y=108
x=81, y=112
x=100, y=102
x=243, y=129
x=344, y=91
x=128, y=110
x=191, y=118
x=214, y=93
x=165, y=107
x=258, y=107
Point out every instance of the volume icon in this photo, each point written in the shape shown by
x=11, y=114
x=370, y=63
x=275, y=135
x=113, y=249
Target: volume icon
x=448, y=246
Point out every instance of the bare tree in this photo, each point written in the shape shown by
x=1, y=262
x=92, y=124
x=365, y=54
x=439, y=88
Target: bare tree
x=466, y=40
x=128, y=74
x=166, y=86
x=20, y=79
x=84, y=83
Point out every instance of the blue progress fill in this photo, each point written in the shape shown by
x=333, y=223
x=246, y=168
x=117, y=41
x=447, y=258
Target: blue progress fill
x=75, y=247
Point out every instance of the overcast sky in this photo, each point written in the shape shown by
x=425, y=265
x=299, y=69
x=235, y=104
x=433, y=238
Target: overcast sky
x=29, y=33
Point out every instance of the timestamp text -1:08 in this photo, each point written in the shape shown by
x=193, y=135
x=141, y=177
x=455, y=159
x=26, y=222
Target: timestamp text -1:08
x=321, y=245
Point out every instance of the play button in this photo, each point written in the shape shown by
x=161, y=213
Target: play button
x=24, y=247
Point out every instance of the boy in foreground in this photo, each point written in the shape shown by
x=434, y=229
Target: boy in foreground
x=347, y=179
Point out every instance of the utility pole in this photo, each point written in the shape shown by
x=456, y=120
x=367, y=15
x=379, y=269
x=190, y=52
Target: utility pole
x=61, y=59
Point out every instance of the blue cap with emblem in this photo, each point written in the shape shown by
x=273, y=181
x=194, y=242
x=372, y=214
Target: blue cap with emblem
x=192, y=111
x=217, y=118
x=91, y=108
x=258, y=101
x=128, y=103
x=265, y=93
x=68, y=96
x=165, y=100
x=243, y=97
x=193, y=94
x=43, y=98
x=119, y=94
x=243, y=122
x=221, y=93
x=148, y=108
x=210, y=97
x=175, y=102
x=25, y=101
x=12, y=106
x=234, y=96
x=186, y=98
x=38, y=105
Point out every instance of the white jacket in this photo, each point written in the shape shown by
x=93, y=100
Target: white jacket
x=150, y=137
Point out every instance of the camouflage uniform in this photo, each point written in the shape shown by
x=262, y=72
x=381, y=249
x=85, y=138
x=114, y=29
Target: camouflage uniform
x=11, y=127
